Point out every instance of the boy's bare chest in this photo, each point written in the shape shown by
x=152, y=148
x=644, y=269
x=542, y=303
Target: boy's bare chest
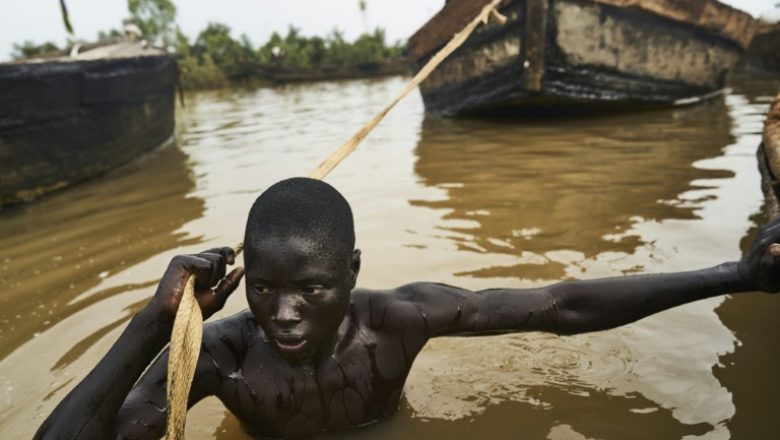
x=357, y=384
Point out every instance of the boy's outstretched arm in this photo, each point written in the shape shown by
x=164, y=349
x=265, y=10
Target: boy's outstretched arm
x=90, y=410
x=586, y=306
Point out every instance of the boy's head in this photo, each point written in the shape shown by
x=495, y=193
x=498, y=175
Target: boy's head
x=301, y=264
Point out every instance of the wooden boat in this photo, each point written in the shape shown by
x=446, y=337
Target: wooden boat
x=769, y=160
x=282, y=74
x=764, y=51
x=565, y=53
x=67, y=119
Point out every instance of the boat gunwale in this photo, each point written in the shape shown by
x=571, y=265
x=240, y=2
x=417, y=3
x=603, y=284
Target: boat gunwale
x=695, y=13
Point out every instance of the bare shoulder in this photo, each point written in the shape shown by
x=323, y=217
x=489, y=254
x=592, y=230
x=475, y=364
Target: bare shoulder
x=408, y=307
x=225, y=340
x=237, y=324
x=412, y=292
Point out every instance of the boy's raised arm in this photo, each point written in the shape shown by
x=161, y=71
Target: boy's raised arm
x=90, y=410
x=590, y=305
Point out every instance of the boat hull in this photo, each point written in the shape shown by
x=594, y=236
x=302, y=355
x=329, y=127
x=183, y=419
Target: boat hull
x=283, y=75
x=764, y=51
x=62, y=122
x=581, y=53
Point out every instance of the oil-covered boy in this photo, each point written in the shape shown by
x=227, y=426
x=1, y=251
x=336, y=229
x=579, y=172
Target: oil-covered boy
x=314, y=353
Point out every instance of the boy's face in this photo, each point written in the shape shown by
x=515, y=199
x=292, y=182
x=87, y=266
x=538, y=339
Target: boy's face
x=298, y=292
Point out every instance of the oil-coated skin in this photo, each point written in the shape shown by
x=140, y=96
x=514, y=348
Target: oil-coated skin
x=313, y=353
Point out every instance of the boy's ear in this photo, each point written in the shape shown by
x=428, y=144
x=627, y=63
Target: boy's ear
x=354, y=267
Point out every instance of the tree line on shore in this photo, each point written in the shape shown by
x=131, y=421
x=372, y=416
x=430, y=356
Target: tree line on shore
x=215, y=59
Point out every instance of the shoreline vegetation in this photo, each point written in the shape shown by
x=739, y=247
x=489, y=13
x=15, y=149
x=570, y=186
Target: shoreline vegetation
x=215, y=59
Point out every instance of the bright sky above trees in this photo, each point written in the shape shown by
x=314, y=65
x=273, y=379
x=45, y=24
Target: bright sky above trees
x=39, y=20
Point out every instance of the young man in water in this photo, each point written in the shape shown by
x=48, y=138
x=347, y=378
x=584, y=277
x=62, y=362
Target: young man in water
x=313, y=353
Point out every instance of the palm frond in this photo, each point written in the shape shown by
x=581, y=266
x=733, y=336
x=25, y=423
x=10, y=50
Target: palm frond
x=65, y=18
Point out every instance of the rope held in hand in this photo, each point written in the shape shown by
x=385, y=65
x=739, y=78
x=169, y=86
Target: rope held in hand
x=188, y=325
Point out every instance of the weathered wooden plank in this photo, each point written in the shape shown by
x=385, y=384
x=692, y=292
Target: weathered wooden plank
x=492, y=50
x=535, y=43
x=637, y=43
x=442, y=26
x=64, y=122
x=710, y=15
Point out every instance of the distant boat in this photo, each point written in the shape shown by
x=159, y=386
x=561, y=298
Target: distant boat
x=764, y=51
x=564, y=54
x=66, y=119
x=283, y=74
x=769, y=160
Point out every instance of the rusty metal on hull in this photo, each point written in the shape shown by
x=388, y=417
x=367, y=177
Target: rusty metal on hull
x=555, y=53
x=64, y=121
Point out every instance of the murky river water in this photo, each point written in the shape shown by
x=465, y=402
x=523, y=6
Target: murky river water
x=467, y=202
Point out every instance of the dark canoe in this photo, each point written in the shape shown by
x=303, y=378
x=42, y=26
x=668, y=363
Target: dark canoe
x=769, y=160
x=65, y=120
x=564, y=53
x=764, y=51
x=282, y=75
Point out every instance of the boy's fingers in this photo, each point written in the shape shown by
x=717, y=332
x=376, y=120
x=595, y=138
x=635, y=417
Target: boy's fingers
x=217, y=269
x=228, y=284
x=196, y=265
x=227, y=252
x=771, y=233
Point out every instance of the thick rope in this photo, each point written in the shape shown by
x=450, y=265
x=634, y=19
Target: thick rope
x=188, y=326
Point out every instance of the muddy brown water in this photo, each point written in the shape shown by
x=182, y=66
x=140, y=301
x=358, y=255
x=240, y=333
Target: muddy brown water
x=469, y=202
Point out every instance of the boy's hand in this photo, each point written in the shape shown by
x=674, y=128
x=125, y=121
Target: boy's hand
x=760, y=267
x=212, y=286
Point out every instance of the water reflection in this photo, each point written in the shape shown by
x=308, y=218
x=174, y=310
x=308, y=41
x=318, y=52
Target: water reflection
x=554, y=192
x=455, y=201
x=67, y=275
x=50, y=257
x=750, y=371
x=659, y=191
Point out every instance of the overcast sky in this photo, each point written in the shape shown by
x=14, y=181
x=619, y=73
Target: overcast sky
x=39, y=20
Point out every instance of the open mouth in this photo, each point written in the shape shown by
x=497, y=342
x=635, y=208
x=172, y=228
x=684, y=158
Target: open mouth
x=291, y=345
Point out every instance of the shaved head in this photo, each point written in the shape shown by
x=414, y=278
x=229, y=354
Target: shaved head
x=303, y=207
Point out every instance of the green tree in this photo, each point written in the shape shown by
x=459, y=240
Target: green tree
x=28, y=49
x=196, y=72
x=370, y=48
x=228, y=54
x=109, y=35
x=156, y=19
x=339, y=50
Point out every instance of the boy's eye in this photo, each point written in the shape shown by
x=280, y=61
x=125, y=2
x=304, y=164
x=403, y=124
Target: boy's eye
x=314, y=289
x=263, y=290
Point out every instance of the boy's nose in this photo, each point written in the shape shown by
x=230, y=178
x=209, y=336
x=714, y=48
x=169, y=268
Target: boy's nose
x=287, y=312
